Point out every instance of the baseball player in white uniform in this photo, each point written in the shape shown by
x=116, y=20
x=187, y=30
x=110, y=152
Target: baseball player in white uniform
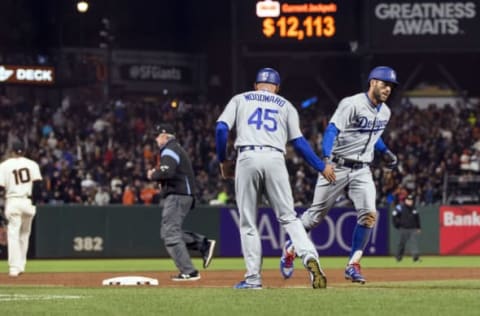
x=353, y=133
x=264, y=123
x=20, y=178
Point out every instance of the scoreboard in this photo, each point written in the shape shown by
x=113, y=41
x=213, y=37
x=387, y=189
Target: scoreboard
x=378, y=26
x=297, y=21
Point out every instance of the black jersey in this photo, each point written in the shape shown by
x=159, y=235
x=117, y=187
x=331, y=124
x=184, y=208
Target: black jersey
x=175, y=172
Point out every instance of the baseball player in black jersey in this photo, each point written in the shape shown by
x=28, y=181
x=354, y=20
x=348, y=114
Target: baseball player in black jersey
x=176, y=177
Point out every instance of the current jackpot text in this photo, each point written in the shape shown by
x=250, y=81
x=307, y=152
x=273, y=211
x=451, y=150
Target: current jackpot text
x=297, y=20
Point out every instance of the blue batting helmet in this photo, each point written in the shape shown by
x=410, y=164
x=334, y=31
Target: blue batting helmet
x=383, y=73
x=268, y=75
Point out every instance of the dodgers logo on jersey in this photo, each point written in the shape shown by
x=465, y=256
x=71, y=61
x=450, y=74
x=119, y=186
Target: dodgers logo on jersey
x=365, y=125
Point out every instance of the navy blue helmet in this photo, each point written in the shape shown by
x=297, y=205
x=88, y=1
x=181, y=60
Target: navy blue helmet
x=383, y=73
x=268, y=75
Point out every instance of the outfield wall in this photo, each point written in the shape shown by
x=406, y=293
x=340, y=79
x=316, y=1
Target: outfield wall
x=119, y=231
x=429, y=235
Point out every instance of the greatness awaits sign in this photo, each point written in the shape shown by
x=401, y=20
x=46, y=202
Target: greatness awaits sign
x=424, y=25
x=426, y=18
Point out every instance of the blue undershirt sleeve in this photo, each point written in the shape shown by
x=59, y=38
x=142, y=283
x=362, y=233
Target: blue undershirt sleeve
x=329, y=136
x=380, y=146
x=305, y=150
x=221, y=136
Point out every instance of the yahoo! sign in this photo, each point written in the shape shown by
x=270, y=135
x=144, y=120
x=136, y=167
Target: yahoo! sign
x=331, y=238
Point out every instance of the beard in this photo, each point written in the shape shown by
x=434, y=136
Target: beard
x=380, y=97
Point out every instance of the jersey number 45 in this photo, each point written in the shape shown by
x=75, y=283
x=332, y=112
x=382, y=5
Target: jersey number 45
x=264, y=118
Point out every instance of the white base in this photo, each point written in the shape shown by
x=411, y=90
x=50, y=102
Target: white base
x=130, y=280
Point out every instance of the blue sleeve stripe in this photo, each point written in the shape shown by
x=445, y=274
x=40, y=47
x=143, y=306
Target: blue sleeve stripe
x=329, y=136
x=221, y=137
x=171, y=153
x=380, y=146
x=303, y=147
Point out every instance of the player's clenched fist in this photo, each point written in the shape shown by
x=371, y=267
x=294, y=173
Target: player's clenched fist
x=227, y=169
x=149, y=173
x=328, y=173
x=392, y=160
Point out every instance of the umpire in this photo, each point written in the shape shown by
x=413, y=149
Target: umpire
x=407, y=220
x=176, y=177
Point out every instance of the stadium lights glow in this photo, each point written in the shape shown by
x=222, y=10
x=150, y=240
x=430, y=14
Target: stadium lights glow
x=82, y=6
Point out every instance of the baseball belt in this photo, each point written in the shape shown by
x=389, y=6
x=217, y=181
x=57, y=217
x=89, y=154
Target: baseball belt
x=256, y=147
x=348, y=163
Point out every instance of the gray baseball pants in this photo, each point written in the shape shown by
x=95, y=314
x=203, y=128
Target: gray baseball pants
x=177, y=241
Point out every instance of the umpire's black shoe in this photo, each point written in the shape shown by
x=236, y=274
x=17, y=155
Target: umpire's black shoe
x=194, y=276
x=207, y=252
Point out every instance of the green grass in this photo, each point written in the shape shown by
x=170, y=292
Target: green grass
x=405, y=298
x=392, y=298
x=127, y=265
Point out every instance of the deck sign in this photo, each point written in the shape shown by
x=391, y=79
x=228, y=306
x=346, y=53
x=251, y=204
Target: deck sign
x=32, y=75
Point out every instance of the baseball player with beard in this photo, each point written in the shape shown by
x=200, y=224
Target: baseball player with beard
x=21, y=180
x=352, y=135
x=264, y=123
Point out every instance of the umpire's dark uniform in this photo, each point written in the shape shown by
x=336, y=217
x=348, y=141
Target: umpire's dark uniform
x=407, y=220
x=178, y=189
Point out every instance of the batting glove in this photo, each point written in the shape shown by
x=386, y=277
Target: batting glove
x=392, y=160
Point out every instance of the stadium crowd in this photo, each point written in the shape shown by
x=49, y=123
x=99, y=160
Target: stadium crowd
x=96, y=153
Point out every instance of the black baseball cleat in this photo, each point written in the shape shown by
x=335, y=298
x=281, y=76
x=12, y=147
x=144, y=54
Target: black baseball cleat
x=194, y=276
x=207, y=252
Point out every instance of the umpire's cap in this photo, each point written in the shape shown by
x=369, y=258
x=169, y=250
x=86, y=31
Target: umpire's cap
x=268, y=75
x=18, y=147
x=383, y=73
x=163, y=128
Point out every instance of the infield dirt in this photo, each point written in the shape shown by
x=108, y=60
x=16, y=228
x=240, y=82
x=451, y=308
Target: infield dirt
x=225, y=278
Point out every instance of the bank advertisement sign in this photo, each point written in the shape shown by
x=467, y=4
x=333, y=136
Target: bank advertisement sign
x=460, y=230
x=331, y=238
x=424, y=25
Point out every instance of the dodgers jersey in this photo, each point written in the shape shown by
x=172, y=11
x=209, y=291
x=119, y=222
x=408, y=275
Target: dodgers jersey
x=261, y=118
x=360, y=124
x=17, y=175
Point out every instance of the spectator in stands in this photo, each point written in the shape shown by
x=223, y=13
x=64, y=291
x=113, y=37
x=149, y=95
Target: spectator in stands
x=465, y=161
x=148, y=193
x=129, y=196
x=223, y=197
x=80, y=143
x=102, y=197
